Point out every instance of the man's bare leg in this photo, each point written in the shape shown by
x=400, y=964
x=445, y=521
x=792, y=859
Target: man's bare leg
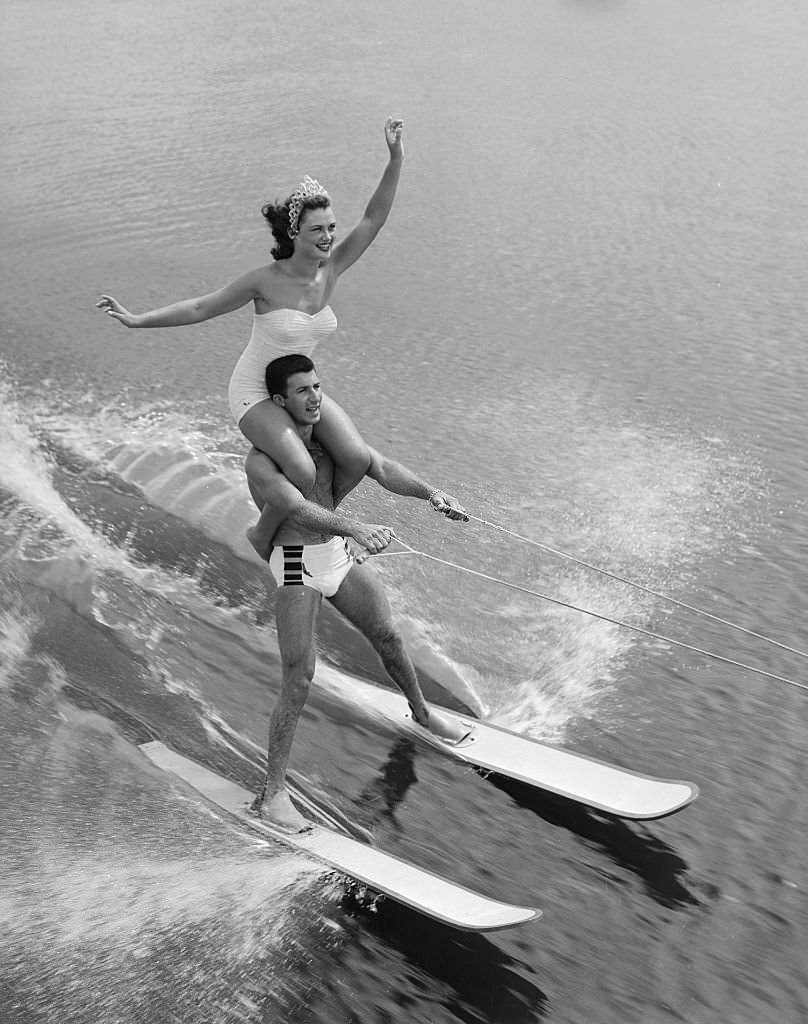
x=296, y=617
x=362, y=600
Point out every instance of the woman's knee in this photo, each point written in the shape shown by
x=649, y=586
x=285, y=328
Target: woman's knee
x=271, y=432
x=259, y=468
x=338, y=434
x=350, y=453
x=261, y=474
x=356, y=460
x=299, y=468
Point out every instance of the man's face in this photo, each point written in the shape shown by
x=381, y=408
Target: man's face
x=303, y=398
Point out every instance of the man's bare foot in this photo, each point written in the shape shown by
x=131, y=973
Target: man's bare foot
x=261, y=543
x=281, y=812
x=447, y=728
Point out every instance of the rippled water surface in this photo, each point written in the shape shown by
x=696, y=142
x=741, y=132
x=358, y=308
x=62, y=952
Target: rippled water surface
x=586, y=317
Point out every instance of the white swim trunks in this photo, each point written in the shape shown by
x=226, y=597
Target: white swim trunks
x=322, y=567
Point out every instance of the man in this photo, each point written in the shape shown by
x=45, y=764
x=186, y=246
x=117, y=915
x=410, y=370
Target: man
x=311, y=559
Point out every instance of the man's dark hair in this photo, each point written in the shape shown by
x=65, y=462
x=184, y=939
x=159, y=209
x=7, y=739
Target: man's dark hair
x=281, y=369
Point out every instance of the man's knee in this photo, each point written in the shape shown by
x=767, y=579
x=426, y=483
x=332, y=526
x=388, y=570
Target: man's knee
x=297, y=679
x=387, y=643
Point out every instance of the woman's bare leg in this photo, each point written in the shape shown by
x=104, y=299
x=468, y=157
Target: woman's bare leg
x=272, y=432
x=343, y=442
x=271, y=429
x=261, y=535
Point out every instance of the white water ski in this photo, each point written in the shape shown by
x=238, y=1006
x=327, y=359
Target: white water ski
x=421, y=890
x=586, y=780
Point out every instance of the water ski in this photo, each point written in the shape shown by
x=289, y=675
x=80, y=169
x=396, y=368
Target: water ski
x=382, y=872
x=605, y=787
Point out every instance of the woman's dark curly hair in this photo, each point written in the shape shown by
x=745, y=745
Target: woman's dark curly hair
x=277, y=216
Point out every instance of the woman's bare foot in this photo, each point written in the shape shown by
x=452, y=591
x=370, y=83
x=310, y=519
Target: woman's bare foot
x=281, y=812
x=260, y=542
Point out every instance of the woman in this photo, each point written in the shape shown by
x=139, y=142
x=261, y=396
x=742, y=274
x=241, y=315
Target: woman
x=291, y=299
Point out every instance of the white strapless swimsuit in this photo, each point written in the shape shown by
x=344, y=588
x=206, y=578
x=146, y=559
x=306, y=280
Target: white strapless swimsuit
x=277, y=333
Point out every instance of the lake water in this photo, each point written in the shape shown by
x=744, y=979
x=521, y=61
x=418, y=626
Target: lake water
x=585, y=317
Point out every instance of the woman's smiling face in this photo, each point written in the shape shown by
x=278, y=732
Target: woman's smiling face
x=316, y=232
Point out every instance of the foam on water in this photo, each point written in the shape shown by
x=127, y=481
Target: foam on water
x=57, y=549
x=102, y=902
x=528, y=665
x=181, y=461
x=121, y=896
x=26, y=472
x=16, y=630
x=193, y=476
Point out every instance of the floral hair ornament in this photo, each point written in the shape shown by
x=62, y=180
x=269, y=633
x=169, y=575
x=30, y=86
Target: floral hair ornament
x=307, y=188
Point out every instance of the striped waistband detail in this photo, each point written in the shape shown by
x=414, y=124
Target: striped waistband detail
x=293, y=565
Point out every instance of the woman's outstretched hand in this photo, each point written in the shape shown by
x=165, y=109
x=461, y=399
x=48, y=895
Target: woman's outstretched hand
x=393, y=129
x=113, y=308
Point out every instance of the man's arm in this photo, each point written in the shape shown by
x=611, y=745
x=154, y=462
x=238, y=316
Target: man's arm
x=286, y=499
x=398, y=479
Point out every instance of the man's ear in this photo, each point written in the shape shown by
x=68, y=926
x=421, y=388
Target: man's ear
x=279, y=400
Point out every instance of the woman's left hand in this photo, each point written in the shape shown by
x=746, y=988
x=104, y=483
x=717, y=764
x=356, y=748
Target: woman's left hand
x=393, y=128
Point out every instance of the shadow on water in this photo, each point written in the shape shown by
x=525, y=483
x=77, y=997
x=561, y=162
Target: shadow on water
x=388, y=790
x=461, y=976
x=656, y=863
x=487, y=985
x=652, y=860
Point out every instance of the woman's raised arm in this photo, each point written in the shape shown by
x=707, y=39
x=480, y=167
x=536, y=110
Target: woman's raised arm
x=381, y=202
